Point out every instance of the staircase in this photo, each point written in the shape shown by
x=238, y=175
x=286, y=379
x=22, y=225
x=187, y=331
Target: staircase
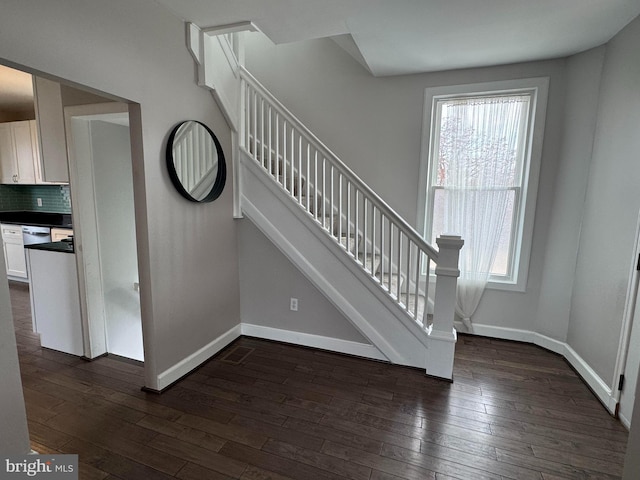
x=394, y=287
x=374, y=267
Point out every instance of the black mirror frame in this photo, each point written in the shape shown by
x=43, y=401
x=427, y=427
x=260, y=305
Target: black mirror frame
x=221, y=176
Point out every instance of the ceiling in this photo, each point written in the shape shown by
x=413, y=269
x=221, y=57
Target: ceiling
x=395, y=37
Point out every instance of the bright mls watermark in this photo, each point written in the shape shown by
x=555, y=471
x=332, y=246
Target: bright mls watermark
x=52, y=467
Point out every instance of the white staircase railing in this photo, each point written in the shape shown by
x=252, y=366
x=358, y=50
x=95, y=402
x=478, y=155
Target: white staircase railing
x=396, y=257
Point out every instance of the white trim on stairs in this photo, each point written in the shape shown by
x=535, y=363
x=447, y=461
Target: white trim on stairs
x=316, y=341
x=588, y=374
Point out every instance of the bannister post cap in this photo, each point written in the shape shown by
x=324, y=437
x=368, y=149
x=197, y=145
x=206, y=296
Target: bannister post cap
x=450, y=241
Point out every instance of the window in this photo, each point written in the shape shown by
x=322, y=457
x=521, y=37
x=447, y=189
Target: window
x=481, y=157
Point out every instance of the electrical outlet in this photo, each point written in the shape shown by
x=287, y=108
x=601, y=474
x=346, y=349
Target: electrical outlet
x=294, y=304
x=39, y=200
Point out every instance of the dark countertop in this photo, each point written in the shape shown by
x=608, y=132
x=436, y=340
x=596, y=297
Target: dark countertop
x=61, y=247
x=39, y=219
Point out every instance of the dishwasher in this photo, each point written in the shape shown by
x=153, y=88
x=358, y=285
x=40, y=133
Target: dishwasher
x=32, y=235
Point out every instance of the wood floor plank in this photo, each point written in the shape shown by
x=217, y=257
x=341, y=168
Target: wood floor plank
x=611, y=465
x=319, y=460
x=198, y=455
x=283, y=412
x=144, y=406
x=229, y=431
x=384, y=464
x=562, y=469
x=453, y=462
x=276, y=463
x=375, y=433
x=131, y=443
x=191, y=471
x=41, y=434
x=524, y=431
x=254, y=473
x=361, y=442
x=117, y=465
x=278, y=432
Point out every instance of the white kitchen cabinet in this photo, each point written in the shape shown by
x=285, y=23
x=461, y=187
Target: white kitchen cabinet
x=50, y=118
x=19, y=155
x=58, y=234
x=13, y=249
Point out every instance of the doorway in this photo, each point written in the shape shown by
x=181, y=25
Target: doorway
x=101, y=180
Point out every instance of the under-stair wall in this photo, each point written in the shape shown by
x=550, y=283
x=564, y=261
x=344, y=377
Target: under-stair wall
x=270, y=208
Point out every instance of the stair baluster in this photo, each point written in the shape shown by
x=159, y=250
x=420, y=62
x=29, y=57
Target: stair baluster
x=395, y=256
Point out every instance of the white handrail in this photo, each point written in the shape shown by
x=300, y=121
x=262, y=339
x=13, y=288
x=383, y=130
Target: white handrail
x=337, y=163
x=381, y=241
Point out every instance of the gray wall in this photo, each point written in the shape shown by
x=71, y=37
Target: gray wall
x=269, y=280
x=14, y=434
x=580, y=113
x=136, y=51
x=375, y=126
x=610, y=210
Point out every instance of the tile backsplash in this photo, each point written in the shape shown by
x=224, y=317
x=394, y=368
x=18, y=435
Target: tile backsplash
x=55, y=198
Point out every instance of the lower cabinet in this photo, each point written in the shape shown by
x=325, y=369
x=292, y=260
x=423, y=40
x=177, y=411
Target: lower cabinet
x=55, y=300
x=13, y=249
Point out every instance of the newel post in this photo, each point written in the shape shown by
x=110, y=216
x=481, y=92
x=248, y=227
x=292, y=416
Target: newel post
x=442, y=337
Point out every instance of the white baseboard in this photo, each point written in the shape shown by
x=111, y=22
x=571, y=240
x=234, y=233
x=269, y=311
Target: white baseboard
x=194, y=360
x=595, y=382
x=588, y=374
x=599, y=386
x=316, y=341
x=624, y=421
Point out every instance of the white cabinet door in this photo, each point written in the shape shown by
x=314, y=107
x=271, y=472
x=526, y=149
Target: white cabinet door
x=13, y=249
x=24, y=152
x=8, y=160
x=50, y=118
x=19, y=156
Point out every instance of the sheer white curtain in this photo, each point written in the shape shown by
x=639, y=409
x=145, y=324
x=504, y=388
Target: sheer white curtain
x=480, y=143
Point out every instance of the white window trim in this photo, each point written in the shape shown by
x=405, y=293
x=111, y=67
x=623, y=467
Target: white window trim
x=540, y=87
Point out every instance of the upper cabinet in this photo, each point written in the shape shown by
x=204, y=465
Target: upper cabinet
x=50, y=118
x=19, y=155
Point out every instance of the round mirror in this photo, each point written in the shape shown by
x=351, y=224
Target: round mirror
x=196, y=162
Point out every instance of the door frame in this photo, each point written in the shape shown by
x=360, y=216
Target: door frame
x=633, y=289
x=86, y=237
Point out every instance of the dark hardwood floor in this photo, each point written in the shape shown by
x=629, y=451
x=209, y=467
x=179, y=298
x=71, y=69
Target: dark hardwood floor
x=262, y=410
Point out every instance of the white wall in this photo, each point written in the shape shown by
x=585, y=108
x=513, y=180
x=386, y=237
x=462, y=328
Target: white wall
x=375, y=125
x=269, y=280
x=136, y=51
x=113, y=188
x=610, y=211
